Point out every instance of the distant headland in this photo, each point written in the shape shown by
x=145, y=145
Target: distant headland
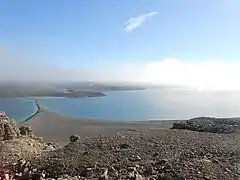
x=66, y=89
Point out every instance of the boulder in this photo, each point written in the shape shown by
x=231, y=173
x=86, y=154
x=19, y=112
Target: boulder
x=74, y=138
x=26, y=130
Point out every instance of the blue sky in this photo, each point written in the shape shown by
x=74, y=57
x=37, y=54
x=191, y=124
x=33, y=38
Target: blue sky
x=87, y=34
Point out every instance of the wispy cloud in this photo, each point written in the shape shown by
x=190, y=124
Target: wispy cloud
x=135, y=22
x=182, y=12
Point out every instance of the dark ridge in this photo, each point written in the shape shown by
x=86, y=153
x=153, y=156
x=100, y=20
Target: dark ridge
x=210, y=124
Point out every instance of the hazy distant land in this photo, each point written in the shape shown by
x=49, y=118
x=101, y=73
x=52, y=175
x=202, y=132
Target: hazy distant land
x=66, y=89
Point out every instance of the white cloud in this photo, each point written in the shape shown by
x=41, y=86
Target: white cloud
x=213, y=74
x=135, y=22
x=205, y=75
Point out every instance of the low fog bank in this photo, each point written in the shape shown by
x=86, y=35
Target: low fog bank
x=210, y=74
x=15, y=68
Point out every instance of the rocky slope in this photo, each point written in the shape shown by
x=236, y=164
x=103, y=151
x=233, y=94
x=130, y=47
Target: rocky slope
x=208, y=124
x=135, y=154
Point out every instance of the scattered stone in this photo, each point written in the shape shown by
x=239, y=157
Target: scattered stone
x=138, y=158
x=206, y=161
x=228, y=170
x=162, y=161
x=133, y=155
x=149, y=171
x=74, y=138
x=124, y=146
x=139, y=177
x=104, y=176
x=131, y=175
x=132, y=169
x=165, y=176
x=216, y=161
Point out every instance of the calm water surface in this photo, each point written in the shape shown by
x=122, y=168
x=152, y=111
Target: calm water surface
x=149, y=104
x=135, y=105
x=18, y=108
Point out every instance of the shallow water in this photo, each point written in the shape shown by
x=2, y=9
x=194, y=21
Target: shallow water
x=18, y=108
x=134, y=105
x=149, y=105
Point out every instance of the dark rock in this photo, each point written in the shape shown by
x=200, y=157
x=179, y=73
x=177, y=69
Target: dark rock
x=208, y=124
x=167, y=166
x=74, y=138
x=53, y=144
x=124, y=146
x=25, y=130
x=161, y=161
x=178, y=177
x=148, y=171
x=165, y=176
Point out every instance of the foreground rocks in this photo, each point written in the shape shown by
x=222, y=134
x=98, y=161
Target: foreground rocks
x=17, y=144
x=168, y=154
x=134, y=155
x=208, y=124
x=9, y=129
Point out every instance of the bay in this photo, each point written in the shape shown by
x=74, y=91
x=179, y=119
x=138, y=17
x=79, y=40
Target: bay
x=149, y=105
x=17, y=108
x=154, y=104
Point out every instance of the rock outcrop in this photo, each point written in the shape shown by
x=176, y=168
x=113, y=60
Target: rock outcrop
x=8, y=129
x=208, y=124
x=26, y=130
x=17, y=145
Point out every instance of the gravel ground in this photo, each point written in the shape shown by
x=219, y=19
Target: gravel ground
x=170, y=154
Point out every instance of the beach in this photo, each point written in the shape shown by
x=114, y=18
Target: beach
x=58, y=128
x=100, y=149
x=97, y=149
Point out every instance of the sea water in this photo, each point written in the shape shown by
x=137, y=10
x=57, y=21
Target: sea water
x=18, y=108
x=154, y=104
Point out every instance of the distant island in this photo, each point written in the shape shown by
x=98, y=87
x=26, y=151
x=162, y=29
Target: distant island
x=66, y=89
x=52, y=93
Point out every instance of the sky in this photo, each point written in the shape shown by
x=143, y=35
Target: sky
x=158, y=41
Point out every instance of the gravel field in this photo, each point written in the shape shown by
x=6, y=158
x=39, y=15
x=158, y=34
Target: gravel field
x=151, y=154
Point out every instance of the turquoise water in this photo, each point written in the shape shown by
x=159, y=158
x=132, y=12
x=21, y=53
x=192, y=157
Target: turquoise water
x=134, y=105
x=17, y=108
x=149, y=105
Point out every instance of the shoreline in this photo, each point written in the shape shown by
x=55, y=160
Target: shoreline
x=58, y=128
x=39, y=109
